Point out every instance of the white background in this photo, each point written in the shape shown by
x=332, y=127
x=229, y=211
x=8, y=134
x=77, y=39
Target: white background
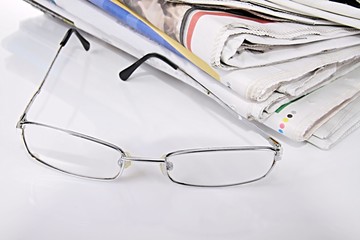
x=311, y=194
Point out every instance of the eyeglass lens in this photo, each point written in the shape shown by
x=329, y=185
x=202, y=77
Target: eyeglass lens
x=72, y=154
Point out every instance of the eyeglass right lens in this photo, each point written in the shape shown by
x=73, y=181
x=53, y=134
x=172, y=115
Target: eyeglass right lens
x=220, y=168
x=71, y=154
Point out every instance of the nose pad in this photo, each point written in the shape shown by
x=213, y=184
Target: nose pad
x=122, y=162
x=168, y=166
x=127, y=164
x=163, y=169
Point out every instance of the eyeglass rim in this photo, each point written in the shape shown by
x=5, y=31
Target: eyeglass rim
x=124, y=156
x=213, y=149
x=75, y=134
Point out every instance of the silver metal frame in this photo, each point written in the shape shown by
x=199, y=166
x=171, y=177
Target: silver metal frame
x=124, y=157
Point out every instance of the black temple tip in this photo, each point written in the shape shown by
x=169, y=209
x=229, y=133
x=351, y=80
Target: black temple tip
x=126, y=73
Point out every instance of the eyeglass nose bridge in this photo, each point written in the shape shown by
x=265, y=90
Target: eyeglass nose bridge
x=142, y=159
x=164, y=165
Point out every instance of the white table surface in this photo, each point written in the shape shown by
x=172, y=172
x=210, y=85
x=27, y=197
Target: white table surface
x=311, y=194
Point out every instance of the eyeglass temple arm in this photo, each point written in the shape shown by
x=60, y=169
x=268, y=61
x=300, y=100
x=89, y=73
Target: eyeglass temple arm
x=127, y=72
x=65, y=39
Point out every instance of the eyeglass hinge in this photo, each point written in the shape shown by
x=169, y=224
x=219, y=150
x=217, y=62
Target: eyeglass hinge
x=21, y=121
x=278, y=148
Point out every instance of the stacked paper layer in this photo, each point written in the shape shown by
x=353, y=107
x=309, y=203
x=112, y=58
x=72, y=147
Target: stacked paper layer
x=289, y=70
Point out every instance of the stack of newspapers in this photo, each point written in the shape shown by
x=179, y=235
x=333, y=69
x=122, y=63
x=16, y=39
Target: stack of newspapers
x=291, y=65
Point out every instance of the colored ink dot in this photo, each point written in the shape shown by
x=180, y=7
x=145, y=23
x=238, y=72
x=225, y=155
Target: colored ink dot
x=293, y=112
x=285, y=119
x=289, y=115
x=281, y=131
x=282, y=126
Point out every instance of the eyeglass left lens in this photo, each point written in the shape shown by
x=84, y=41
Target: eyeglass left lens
x=71, y=154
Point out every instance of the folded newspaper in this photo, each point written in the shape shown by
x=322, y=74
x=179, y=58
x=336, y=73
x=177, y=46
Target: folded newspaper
x=344, y=12
x=292, y=72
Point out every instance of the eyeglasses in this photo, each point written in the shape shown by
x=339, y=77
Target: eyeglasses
x=85, y=156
